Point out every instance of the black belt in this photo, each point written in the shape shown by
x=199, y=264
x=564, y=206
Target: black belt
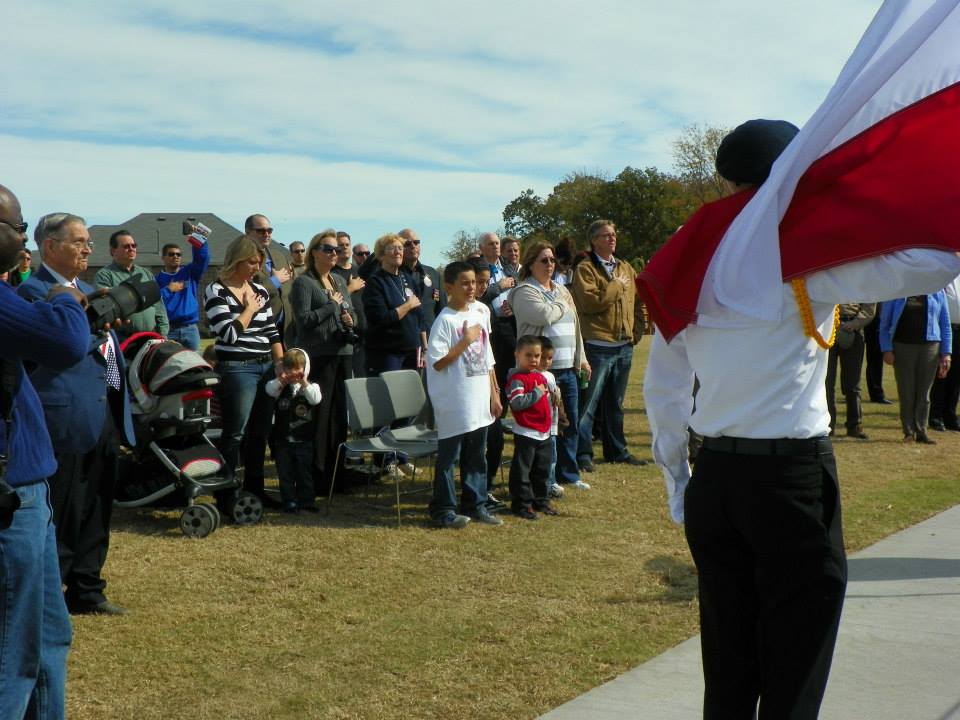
x=774, y=446
x=249, y=361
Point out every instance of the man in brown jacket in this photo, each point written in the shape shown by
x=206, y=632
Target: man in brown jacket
x=848, y=349
x=611, y=321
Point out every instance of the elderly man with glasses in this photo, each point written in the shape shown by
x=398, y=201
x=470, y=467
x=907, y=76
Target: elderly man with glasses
x=180, y=289
x=87, y=411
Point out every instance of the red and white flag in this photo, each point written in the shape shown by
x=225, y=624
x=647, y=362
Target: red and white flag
x=876, y=169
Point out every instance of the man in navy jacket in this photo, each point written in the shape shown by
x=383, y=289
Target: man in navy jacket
x=36, y=635
x=86, y=408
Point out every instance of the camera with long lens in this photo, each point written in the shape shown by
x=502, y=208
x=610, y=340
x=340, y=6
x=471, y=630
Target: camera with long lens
x=344, y=334
x=120, y=302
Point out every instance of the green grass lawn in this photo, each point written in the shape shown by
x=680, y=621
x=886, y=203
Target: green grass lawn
x=347, y=616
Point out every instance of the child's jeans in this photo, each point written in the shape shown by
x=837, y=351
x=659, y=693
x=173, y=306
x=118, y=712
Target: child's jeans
x=552, y=476
x=470, y=449
x=295, y=470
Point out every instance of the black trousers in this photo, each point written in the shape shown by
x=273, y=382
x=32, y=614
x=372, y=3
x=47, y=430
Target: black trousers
x=765, y=534
x=946, y=391
x=330, y=372
x=81, y=495
x=529, y=471
x=874, y=358
x=851, y=365
x=503, y=342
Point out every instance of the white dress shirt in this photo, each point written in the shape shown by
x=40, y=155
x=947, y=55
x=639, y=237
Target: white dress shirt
x=764, y=379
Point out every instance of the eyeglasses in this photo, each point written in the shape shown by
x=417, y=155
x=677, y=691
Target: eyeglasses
x=606, y=235
x=328, y=249
x=129, y=246
x=301, y=251
x=263, y=231
x=174, y=254
x=411, y=243
x=548, y=261
x=362, y=253
x=20, y=227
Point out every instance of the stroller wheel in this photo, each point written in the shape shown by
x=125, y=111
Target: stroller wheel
x=246, y=509
x=198, y=521
x=215, y=511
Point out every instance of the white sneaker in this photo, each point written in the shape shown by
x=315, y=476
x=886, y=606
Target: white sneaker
x=580, y=485
x=555, y=491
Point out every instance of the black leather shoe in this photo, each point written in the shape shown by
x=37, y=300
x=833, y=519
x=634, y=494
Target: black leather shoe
x=937, y=425
x=955, y=427
x=882, y=401
x=104, y=608
x=922, y=438
x=631, y=460
x=857, y=433
x=585, y=465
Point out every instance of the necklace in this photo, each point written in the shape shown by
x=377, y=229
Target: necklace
x=806, y=315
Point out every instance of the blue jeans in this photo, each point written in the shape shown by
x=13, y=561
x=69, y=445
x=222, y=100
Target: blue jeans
x=35, y=629
x=470, y=449
x=242, y=383
x=552, y=475
x=567, y=470
x=604, y=398
x=186, y=335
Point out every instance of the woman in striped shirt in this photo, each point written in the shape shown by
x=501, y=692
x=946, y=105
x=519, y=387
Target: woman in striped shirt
x=248, y=349
x=543, y=306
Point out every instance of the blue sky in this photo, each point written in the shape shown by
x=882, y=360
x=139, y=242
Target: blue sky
x=373, y=116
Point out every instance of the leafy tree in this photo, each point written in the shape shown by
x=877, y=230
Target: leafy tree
x=694, y=157
x=525, y=215
x=461, y=246
x=647, y=206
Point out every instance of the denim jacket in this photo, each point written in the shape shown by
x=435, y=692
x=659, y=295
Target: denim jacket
x=938, y=321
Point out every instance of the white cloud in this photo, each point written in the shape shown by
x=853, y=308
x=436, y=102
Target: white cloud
x=444, y=109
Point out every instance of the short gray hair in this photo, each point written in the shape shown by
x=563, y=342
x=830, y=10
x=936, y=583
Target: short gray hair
x=53, y=225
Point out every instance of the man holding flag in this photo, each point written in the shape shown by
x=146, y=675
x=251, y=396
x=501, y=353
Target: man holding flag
x=859, y=206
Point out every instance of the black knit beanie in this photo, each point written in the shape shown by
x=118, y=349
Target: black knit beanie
x=747, y=154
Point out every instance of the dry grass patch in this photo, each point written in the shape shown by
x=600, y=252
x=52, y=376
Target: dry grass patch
x=347, y=616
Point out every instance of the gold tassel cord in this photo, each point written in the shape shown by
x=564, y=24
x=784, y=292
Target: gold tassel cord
x=806, y=315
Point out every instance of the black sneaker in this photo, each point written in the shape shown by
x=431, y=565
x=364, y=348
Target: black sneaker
x=495, y=505
x=526, y=512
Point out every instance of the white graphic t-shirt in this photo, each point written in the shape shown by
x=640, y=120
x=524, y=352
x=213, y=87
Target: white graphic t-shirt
x=460, y=393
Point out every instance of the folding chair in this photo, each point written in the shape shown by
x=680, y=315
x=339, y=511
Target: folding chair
x=408, y=399
x=369, y=409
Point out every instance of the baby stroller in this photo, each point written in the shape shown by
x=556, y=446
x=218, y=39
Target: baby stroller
x=171, y=389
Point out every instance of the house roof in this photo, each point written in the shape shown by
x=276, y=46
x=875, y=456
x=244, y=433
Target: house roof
x=154, y=230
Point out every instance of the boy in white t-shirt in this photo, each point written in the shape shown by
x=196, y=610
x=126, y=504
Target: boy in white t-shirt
x=465, y=397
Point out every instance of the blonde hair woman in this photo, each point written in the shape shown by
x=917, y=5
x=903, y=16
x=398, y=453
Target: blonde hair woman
x=247, y=346
x=395, y=327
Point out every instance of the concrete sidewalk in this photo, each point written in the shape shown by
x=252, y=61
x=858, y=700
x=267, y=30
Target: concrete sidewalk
x=898, y=655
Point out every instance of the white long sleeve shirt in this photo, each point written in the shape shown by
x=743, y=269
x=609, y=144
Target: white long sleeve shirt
x=766, y=380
